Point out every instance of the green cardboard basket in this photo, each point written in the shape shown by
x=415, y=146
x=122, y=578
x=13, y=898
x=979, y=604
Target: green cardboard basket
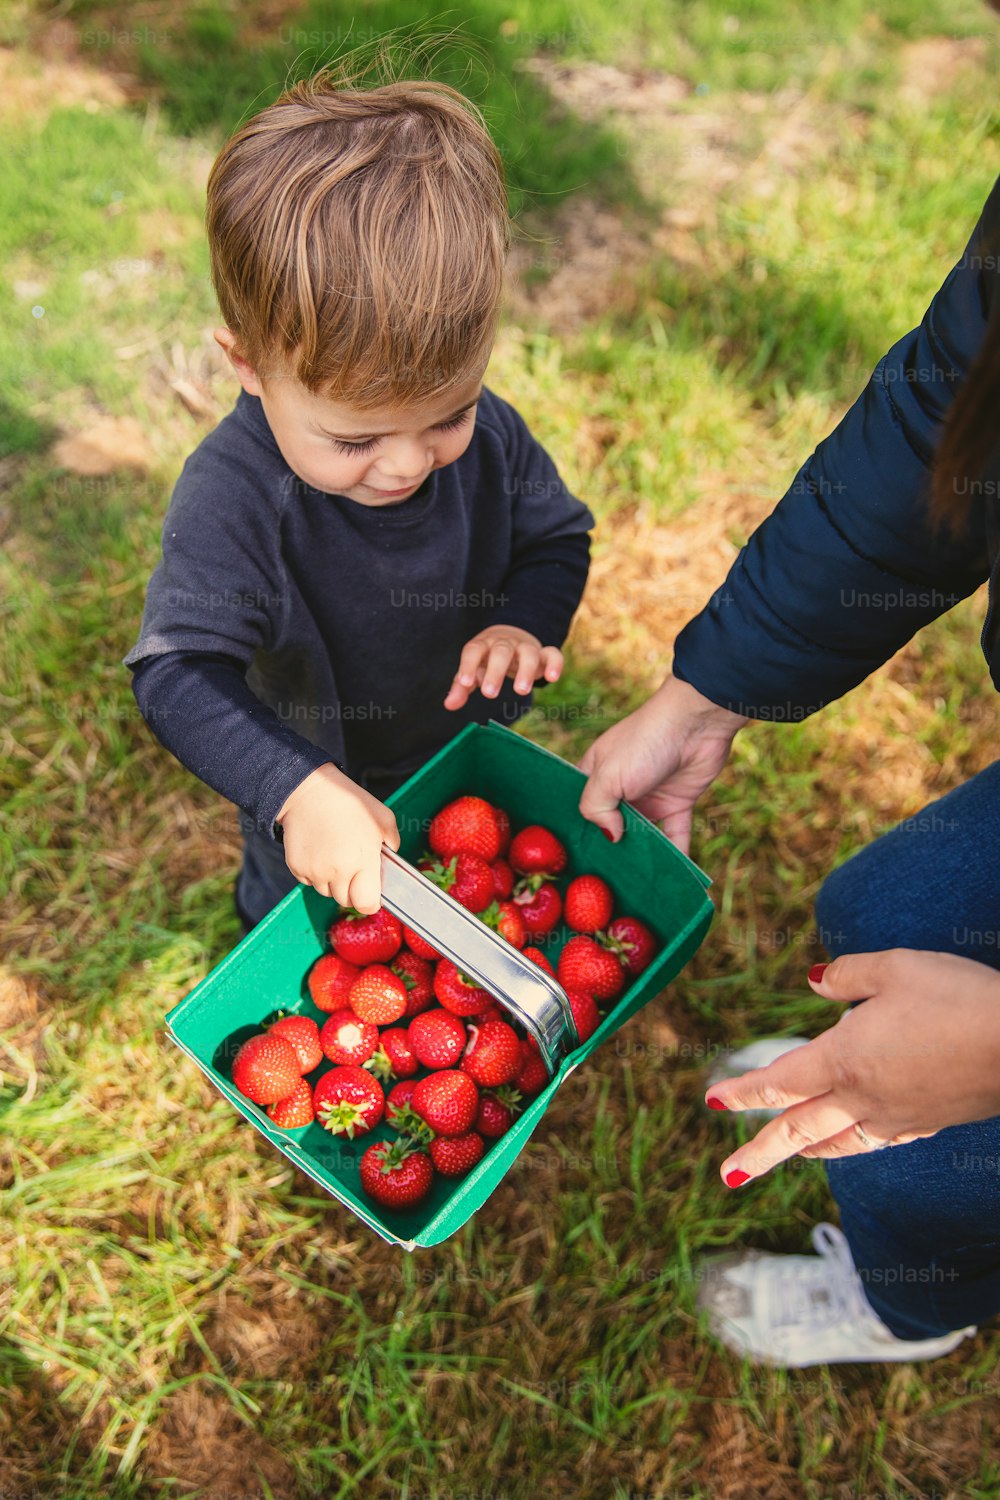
x=650, y=878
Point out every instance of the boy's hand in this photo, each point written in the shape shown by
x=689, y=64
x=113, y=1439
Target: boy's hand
x=334, y=831
x=502, y=651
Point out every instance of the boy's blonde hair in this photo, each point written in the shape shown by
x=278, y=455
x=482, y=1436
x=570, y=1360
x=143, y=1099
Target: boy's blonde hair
x=358, y=238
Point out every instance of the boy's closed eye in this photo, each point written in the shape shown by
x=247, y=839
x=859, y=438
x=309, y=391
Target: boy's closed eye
x=366, y=445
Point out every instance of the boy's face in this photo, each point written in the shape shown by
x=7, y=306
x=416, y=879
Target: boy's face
x=376, y=457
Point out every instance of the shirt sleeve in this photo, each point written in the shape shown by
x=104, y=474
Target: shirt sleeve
x=849, y=564
x=550, y=557
x=200, y=707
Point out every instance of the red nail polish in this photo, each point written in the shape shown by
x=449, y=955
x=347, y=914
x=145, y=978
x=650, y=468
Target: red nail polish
x=609, y=836
x=714, y=1103
x=737, y=1177
x=816, y=973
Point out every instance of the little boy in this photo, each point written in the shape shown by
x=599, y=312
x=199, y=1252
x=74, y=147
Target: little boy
x=370, y=535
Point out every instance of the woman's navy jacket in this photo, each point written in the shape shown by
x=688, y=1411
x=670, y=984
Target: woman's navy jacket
x=848, y=565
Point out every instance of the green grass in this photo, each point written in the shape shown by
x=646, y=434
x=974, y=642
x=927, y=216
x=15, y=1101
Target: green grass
x=181, y=1313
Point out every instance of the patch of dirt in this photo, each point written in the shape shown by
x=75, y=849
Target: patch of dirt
x=589, y=262
x=35, y=86
x=272, y=1335
x=109, y=443
x=933, y=64
x=199, y=1443
x=23, y=1021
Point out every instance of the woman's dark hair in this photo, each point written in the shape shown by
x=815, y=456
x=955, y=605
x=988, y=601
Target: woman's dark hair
x=969, y=449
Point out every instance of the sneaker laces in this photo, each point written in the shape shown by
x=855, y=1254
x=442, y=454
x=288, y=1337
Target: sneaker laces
x=811, y=1295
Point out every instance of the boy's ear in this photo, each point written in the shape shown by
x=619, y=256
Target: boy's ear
x=247, y=375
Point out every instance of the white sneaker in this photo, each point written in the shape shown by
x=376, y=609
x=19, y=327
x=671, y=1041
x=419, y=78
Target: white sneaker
x=758, y=1054
x=800, y=1310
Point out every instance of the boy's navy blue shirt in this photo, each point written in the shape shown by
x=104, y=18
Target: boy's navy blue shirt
x=285, y=628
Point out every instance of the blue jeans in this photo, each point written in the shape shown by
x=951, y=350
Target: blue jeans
x=923, y=1220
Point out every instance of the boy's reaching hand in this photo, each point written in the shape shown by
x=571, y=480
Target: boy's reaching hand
x=502, y=651
x=333, y=833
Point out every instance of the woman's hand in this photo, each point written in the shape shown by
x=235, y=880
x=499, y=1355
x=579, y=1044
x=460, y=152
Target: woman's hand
x=502, y=651
x=661, y=758
x=922, y=1053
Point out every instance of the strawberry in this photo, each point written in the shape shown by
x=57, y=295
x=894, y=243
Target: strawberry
x=303, y=1033
x=503, y=828
x=466, y=877
x=393, y=1057
x=585, y=1013
x=536, y=851
x=417, y=945
x=436, y=1038
x=266, y=1068
x=295, y=1111
x=532, y=1074
x=503, y=879
x=447, y=1101
x=492, y=1012
x=348, y=1101
x=396, y=1175
x=589, y=903
x=398, y=1099
x=457, y=992
x=492, y=1054
x=538, y=957
x=362, y=940
x=330, y=980
x=456, y=1155
x=418, y=976
x=540, y=905
x=495, y=1115
x=345, y=1038
x=378, y=996
x=505, y=917
x=585, y=965
x=632, y=943
x=466, y=826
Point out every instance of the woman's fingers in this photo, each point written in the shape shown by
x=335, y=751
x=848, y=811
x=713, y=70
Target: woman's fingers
x=802, y=1074
x=806, y=1125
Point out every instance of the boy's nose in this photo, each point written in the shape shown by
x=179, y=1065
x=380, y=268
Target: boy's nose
x=404, y=462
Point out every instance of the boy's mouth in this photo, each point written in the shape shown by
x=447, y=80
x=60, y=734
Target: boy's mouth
x=394, y=494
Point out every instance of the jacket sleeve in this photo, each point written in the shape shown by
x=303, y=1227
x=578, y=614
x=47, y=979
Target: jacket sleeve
x=551, y=544
x=849, y=566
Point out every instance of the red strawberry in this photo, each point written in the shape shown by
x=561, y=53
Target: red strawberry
x=538, y=957
x=505, y=917
x=266, y=1068
x=585, y=965
x=362, y=940
x=457, y=992
x=503, y=879
x=536, y=851
x=495, y=1115
x=466, y=826
x=395, y=1174
x=393, y=1057
x=378, y=995
x=493, y=1012
x=398, y=1099
x=348, y=1101
x=447, y=1101
x=417, y=945
x=585, y=1013
x=295, y=1111
x=418, y=976
x=455, y=1156
x=540, y=906
x=632, y=943
x=330, y=980
x=303, y=1033
x=345, y=1038
x=436, y=1038
x=493, y=1053
x=503, y=827
x=532, y=1074
x=466, y=877
x=589, y=903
